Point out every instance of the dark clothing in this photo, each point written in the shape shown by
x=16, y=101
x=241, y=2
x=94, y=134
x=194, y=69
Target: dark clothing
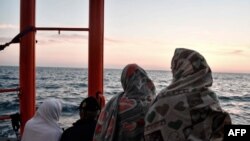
x=82, y=130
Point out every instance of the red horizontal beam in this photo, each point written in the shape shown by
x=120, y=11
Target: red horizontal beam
x=8, y=90
x=5, y=117
x=62, y=29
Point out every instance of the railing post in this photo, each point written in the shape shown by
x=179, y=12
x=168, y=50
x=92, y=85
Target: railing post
x=96, y=35
x=27, y=62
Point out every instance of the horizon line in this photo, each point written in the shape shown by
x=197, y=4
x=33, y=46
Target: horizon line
x=122, y=68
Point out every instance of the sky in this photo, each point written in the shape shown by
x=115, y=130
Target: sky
x=145, y=32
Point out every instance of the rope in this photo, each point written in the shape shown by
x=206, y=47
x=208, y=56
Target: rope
x=17, y=38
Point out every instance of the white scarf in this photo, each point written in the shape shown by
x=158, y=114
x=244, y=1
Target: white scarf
x=43, y=126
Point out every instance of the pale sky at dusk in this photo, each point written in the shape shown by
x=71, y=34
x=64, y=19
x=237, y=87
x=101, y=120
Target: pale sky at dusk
x=145, y=32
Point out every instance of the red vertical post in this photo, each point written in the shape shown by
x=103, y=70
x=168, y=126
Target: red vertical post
x=96, y=33
x=27, y=62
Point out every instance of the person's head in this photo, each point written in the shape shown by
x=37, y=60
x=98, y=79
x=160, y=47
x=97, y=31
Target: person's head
x=186, y=62
x=135, y=78
x=50, y=109
x=89, y=108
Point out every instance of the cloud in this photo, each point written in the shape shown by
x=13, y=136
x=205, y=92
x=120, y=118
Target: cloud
x=4, y=40
x=236, y=52
x=8, y=26
x=48, y=39
x=69, y=36
x=66, y=37
x=81, y=37
x=112, y=40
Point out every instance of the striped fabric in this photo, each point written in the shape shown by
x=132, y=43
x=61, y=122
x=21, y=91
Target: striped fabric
x=122, y=119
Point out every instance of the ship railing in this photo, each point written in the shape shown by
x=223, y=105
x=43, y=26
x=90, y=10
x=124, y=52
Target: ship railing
x=15, y=118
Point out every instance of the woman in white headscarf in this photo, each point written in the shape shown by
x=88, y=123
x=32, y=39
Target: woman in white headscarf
x=43, y=126
x=187, y=110
x=122, y=119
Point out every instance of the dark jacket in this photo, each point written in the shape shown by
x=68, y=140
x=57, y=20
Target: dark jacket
x=82, y=130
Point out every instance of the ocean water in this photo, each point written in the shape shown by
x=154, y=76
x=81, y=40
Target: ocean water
x=70, y=85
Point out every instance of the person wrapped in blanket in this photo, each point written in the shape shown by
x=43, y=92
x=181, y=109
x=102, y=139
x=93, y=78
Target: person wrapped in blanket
x=122, y=119
x=43, y=126
x=187, y=109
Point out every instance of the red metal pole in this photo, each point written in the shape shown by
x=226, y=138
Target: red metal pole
x=9, y=90
x=5, y=117
x=27, y=62
x=96, y=33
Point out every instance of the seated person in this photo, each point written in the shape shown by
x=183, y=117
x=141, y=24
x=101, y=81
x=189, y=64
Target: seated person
x=187, y=110
x=122, y=118
x=83, y=129
x=43, y=126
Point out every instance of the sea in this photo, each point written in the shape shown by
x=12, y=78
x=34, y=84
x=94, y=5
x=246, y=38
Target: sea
x=71, y=87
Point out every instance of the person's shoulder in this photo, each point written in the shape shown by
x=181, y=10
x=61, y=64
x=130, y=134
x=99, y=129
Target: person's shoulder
x=30, y=123
x=68, y=130
x=66, y=133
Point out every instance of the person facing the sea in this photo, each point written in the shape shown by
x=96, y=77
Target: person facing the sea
x=43, y=126
x=187, y=109
x=83, y=129
x=122, y=119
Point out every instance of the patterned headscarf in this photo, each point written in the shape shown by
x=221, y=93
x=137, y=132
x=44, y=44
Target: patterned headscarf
x=122, y=119
x=187, y=109
x=190, y=69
